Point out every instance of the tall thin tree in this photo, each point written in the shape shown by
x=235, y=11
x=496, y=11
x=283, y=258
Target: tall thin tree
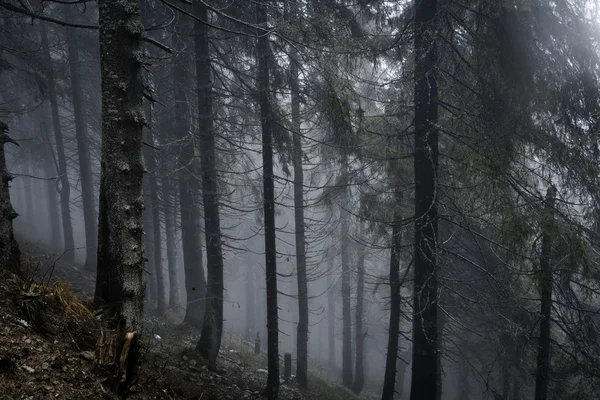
x=212, y=329
x=424, y=382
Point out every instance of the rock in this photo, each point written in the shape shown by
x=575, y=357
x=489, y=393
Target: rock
x=185, y=358
x=88, y=355
x=193, y=362
x=45, y=365
x=28, y=369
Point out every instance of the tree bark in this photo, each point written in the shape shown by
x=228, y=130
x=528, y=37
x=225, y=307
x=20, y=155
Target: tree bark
x=195, y=282
x=10, y=254
x=120, y=234
x=425, y=375
x=346, y=312
x=542, y=376
x=266, y=120
x=65, y=188
x=389, y=379
x=359, y=335
x=212, y=329
x=83, y=151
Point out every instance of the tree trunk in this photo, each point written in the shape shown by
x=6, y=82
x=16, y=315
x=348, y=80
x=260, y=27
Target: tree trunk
x=83, y=151
x=330, y=322
x=65, y=187
x=346, y=312
x=266, y=119
x=28, y=193
x=425, y=375
x=463, y=381
x=10, y=254
x=151, y=293
x=195, y=282
x=168, y=195
x=359, y=372
x=250, y=302
x=389, y=379
x=50, y=169
x=302, y=337
x=120, y=238
x=120, y=244
x=152, y=181
x=542, y=376
x=212, y=330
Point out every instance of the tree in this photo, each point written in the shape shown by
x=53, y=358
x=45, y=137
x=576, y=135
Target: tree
x=424, y=384
x=359, y=335
x=346, y=290
x=191, y=232
x=212, y=329
x=389, y=379
x=10, y=254
x=302, y=338
x=64, y=189
x=120, y=268
x=83, y=151
x=542, y=377
x=266, y=121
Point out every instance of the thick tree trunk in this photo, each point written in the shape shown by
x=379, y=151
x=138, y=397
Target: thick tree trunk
x=152, y=184
x=425, y=375
x=168, y=198
x=359, y=372
x=10, y=254
x=120, y=242
x=65, y=187
x=346, y=311
x=212, y=330
x=389, y=378
x=266, y=119
x=542, y=376
x=330, y=322
x=51, y=193
x=191, y=232
x=302, y=337
x=83, y=151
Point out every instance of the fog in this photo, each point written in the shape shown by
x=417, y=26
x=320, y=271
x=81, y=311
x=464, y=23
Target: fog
x=438, y=160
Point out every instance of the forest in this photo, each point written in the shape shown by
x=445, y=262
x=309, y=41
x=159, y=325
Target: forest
x=403, y=194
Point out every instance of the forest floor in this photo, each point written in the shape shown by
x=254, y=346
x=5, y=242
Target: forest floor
x=48, y=336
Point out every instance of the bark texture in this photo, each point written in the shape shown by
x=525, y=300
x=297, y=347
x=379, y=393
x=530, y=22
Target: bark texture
x=212, y=329
x=64, y=189
x=120, y=236
x=425, y=375
x=542, y=376
x=10, y=254
x=83, y=151
x=266, y=120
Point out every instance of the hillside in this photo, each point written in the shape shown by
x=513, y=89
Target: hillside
x=48, y=335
